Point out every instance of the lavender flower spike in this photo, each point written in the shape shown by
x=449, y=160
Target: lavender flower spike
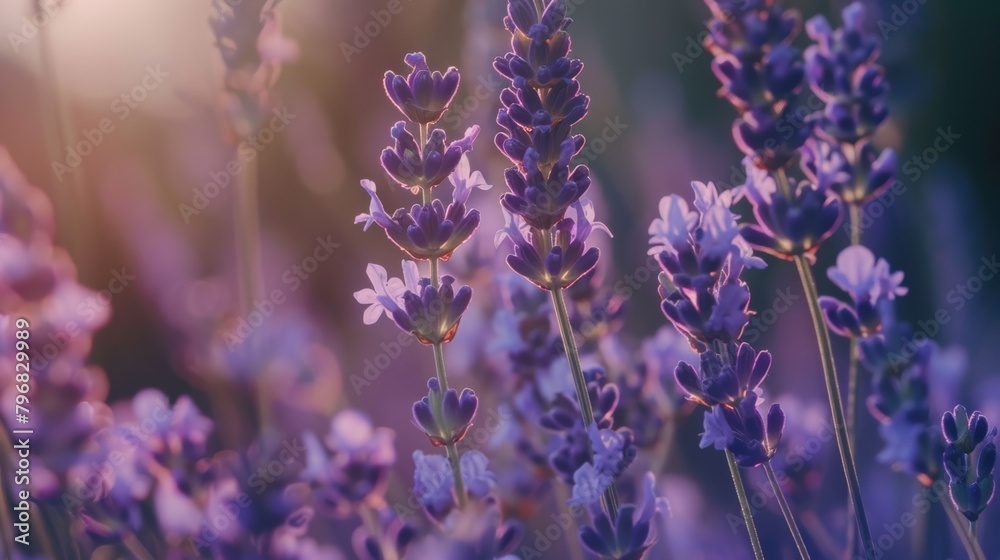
x=414, y=166
x=869, y=283
x=632, y=533
x=423, y=96
x=971, y=490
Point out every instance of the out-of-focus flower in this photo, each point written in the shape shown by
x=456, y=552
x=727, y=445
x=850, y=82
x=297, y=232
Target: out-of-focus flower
x=869, y=282
x=354, y=468
x=842, y=72
x=248, y=35
x=965, y=434
x=434, y=483
x=633, y=532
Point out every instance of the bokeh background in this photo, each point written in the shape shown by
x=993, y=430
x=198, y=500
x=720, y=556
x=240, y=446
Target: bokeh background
x=652, y=97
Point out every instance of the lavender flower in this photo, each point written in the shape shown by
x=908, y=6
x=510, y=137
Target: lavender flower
x=702, y=256
x=423, y=96
x=430, y=313
x=632, y=533
x=434, y=484
x=248, y=35
x=842, y=72
x=792, y=221
x=354, y=467
x=445, y=416
x=868, y=282
x=430, y=231
x=418, y=167
x=556, y=262
x=723, y=380
x=761, y=74
x=971, y=490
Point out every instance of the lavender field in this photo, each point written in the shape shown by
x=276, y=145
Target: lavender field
x=498, y=280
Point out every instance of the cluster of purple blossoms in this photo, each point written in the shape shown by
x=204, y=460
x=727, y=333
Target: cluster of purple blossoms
x=842, y=72
x=430, y=308
x=702, y=255
x=967, y=435
x=248, y=34
x=539, y=110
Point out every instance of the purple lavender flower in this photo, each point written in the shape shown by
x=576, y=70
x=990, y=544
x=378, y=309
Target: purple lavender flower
x=868, y=282
x=474, y=533
x=434, y=483
x=761, y=74
x=562, y=261
x=702, y=256
x=423, y=96
x=754, y=441
x=792, y=222
x=842, y=72
x=415, y=167
x=445, y=416
x=430, y=313
x=722, y=380
x=633, y=532
x=965, y=434
x=354, y=468
x=856, y=180
x=430, y=231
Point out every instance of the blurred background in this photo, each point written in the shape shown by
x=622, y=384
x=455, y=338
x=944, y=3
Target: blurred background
x=147, y=207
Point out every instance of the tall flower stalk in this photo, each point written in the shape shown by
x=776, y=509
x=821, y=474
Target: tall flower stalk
x=539, y=110
x=762, y=75
x=842, y=72
x=430, y=307
x=248, y=37
x=702, y=256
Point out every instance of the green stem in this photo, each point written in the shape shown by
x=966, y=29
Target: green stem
x=610, y=497
x=741, y=493
x=786, y=511
x=452, y=448
x=957, y=520
x=248, y=255
x=852, y=416
x=854, y=216
x=836, y=407
x=972, y=528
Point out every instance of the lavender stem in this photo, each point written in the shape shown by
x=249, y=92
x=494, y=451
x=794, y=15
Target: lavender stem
x=800, y=544
x=741, y=493
x=833, y=394
x=610, y=497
